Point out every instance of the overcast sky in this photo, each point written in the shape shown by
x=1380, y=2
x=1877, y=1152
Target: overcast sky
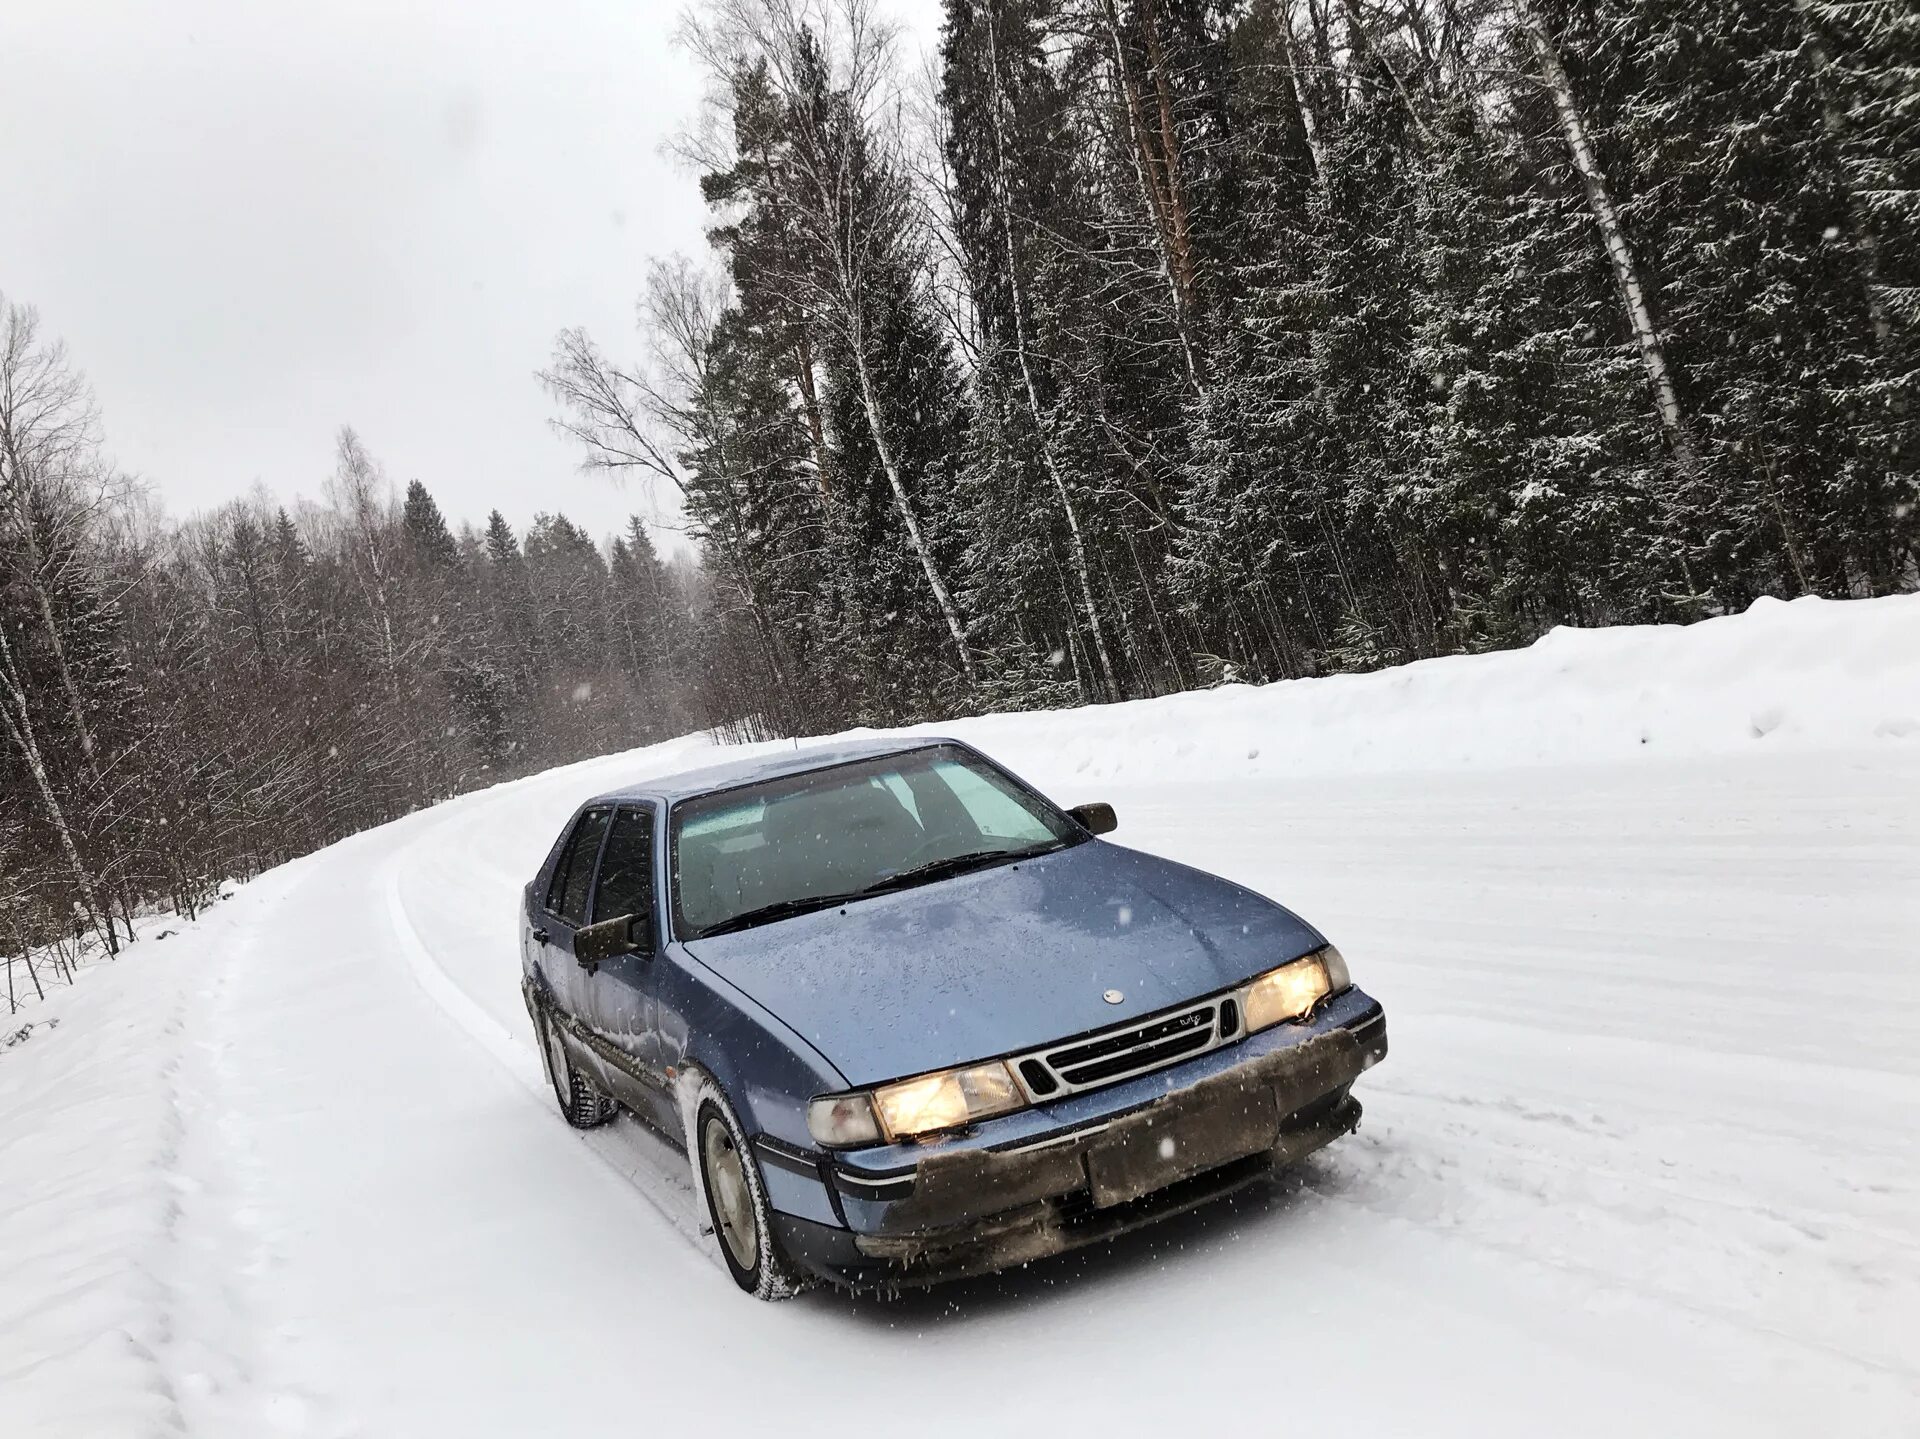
x=255, y=221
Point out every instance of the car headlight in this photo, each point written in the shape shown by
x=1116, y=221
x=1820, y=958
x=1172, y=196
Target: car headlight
x=843, y=1121
x=1337, y=977
x=1292, y=990
x=946, y=1099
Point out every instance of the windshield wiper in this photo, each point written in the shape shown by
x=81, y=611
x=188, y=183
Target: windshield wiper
x=954, y=864
x=779, y=909
x=920, y=874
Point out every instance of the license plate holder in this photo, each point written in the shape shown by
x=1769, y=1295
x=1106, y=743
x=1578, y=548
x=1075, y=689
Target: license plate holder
x=1178, y=1138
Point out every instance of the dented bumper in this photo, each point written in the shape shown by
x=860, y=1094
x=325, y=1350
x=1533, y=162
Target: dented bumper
x=973, y=1210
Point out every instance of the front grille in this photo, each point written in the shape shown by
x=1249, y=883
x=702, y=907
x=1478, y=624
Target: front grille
x=1139, y=1047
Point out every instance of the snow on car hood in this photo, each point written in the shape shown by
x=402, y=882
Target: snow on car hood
x=1004, y=959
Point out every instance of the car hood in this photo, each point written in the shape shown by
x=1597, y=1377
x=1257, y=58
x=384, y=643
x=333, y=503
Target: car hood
x=1004, y=959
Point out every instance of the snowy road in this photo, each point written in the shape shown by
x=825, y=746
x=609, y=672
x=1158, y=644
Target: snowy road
x=1645, y=1158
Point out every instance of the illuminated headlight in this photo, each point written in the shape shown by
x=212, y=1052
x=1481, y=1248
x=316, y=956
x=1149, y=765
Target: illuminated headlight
x=949, y=1099
x=1292, y=990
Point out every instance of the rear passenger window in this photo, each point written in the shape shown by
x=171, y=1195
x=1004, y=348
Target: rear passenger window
x=626, y=870
x=567, y=894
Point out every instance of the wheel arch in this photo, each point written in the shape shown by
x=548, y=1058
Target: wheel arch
x=767, y=1071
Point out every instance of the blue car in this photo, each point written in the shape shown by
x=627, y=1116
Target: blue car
x=913, y=1021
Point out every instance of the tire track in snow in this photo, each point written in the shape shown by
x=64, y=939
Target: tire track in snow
x=452, y=1001
x=1460, y=1190
x=426, y=834
x=643, y=1159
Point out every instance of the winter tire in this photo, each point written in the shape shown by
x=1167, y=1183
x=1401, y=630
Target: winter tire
x=581, y=1105
x=737, y=1202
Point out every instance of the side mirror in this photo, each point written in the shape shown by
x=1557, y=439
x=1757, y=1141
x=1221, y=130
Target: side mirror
x=1095, y=818
x=595, y=944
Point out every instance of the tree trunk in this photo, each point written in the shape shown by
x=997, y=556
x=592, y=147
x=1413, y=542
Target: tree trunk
x=35, y=576
x=810, y=402
x=1323, y=55
x=870, y=403
x=1296, y=74
x=1626, y=271
x=1364, y=53
x=1155, y=197
x=1003, y=189
x=390, y=655
x=44, y=602
x=1179, y=216
x=802, y=352
x=19, y=727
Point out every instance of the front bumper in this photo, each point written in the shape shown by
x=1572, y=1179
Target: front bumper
x=966, y=1211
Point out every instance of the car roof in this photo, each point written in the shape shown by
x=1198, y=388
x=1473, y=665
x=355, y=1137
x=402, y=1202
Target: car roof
x=767, y=765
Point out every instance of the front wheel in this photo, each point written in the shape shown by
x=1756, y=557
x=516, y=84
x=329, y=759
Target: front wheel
x=737, y=1203
x=581, y=1105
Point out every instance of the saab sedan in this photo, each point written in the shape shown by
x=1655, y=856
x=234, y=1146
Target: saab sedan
x=912, y=1020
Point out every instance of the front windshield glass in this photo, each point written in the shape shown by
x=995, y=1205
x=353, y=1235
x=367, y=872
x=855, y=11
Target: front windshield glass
x=768, y=851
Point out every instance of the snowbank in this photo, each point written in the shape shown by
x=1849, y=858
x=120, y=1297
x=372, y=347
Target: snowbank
x=1806, y=675
x=91, y=1125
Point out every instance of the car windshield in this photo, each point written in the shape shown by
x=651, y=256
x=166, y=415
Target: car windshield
x=769, y=851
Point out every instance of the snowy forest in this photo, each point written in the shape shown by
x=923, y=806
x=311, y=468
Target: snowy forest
x=1149, y=342
x=1126, y=346
x=183, y=703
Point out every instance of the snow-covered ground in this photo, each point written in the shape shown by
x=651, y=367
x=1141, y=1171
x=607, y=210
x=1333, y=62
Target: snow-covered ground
x=1644, y=906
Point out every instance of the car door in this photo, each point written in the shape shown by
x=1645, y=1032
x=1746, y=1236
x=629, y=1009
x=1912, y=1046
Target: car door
x=622, y=993
x=562, y=909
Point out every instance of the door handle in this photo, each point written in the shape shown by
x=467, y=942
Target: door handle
x=540, y=936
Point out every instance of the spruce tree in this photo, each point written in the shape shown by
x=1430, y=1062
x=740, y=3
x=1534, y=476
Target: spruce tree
x=428, y=538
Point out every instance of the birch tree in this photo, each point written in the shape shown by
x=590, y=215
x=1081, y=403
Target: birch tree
x=1001, y=187
x=829, y=63
x=16, y=718
x=50, y=480
x=1634, y=298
